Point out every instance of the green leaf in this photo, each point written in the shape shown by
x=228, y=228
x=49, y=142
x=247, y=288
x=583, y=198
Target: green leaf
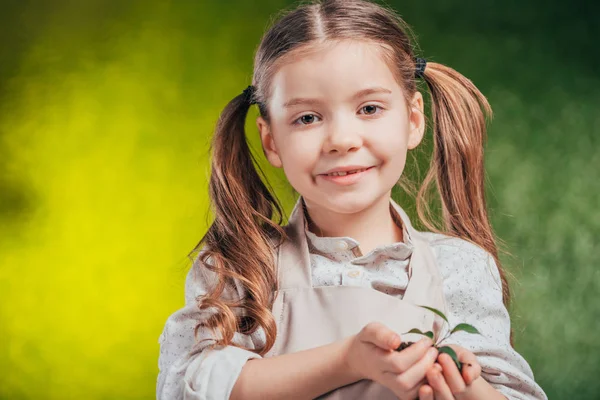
x=448, y=350
x=438, y=312
x=465, y=328
x=429, y=334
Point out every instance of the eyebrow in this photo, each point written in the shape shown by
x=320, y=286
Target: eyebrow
x=361, y=93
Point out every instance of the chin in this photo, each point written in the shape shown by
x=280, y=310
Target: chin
x=344, y=203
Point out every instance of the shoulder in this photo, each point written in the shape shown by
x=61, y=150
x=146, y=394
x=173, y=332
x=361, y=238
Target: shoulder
x=460, y=258
x=446, y=244
x=200, y=279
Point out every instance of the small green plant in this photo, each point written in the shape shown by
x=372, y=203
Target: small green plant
x=437, y=341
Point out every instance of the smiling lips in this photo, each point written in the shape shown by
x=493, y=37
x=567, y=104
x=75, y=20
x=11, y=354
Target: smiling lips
x=346, y=175
x=343, y=173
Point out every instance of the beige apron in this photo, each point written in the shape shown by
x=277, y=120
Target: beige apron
x=309, y=317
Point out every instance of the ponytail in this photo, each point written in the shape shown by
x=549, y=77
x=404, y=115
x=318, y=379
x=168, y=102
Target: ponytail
x=457, y=166
x=238, y=244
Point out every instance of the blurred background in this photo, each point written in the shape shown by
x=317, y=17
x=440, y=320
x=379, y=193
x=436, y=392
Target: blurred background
x=106, y=112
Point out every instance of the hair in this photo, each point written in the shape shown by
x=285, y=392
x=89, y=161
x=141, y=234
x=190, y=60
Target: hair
x=247, y=213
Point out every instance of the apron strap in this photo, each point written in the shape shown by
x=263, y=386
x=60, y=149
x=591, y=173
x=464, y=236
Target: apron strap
x=293, y=259
x=424, y=285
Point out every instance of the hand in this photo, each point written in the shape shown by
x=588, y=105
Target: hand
x=445, y=382
x=371, y=355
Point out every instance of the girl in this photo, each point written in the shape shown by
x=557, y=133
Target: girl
x=316, y=308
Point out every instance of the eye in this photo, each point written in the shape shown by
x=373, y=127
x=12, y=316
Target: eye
x=371, y=109
x=307, y=119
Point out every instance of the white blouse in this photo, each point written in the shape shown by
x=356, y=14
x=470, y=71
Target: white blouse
x=472, y=288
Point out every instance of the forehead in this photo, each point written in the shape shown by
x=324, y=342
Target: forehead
x=332, y=70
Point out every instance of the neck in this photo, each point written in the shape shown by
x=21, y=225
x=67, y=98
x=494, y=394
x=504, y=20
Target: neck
x=371, y=227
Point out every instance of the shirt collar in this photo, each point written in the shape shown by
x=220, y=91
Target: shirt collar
x=343, y=248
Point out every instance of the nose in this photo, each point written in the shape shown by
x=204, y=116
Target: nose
x=342, y=138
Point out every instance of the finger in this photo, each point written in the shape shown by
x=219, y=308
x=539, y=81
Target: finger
x=471, y=370
x=401, y=389
x=413, y=376
x=436, y=380
x=380, y=335
x=399, y=362
x=426, y=393
x=451, y=374
x=420, y=383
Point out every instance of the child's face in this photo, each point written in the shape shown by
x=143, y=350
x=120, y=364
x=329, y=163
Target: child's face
x=330, y=127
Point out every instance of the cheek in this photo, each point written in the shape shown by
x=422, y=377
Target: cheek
x=391, y=150
x=299, y=154
x=392, y=132
x=391, y=146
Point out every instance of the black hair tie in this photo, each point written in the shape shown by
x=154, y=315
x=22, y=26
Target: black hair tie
x=249, y=94
x=421, y=63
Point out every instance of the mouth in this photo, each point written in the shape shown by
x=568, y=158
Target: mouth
x=347, y=170
x=344, y=173
x=348, y=177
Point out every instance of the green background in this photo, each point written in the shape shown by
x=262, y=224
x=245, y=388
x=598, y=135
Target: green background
x=106, y=112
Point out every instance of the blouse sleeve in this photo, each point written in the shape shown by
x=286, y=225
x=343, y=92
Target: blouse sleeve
x=187, y=369
x=473, y=292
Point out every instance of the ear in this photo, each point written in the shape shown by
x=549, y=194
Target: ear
x=268, y=143
x=417, y=121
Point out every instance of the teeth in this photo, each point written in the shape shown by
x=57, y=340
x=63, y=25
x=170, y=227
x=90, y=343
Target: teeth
x=345, y=172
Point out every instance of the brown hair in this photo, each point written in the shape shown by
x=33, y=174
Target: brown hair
x=240, y=242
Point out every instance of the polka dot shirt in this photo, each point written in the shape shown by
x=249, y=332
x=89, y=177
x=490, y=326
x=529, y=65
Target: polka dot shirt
x=471, y=285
